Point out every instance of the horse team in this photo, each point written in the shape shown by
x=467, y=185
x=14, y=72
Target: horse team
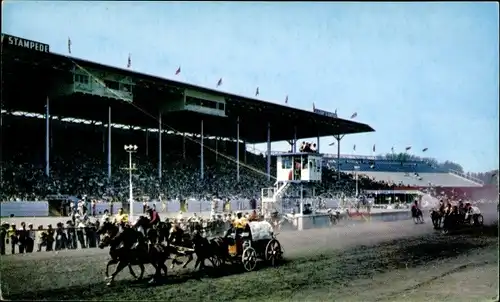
x=142, y=243
x=450, y=217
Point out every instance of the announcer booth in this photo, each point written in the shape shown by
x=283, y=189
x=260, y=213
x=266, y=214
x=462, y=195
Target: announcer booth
x=298, y=167
x=298, y=172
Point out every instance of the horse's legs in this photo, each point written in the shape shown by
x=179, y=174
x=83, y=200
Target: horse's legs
x=164, y=267
x=141, y=267
x=132, y=271
x=157, y=273
x=190, y=258
x=121, y=265
x=198, y=263
x=110, y=262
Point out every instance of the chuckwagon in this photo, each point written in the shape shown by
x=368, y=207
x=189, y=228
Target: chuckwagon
x=256, y=242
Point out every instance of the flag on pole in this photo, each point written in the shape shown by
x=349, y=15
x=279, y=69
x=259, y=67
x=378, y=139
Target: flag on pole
x=373, y=148
x=178, y=71
x=257, y=91
x=425, y=149
x=129, y=62
x=354, y=115
x=69, y=45
x=408, y=148
x=354, y=147
x=219, y=82
x=286, y=99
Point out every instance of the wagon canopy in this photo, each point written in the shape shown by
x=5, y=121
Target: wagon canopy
x=261, y=230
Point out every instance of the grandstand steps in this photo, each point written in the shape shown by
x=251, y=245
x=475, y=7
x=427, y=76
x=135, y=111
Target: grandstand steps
x=466, y=178
x=280, y=190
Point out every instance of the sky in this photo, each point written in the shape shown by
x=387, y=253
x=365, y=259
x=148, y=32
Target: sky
x=424, y=75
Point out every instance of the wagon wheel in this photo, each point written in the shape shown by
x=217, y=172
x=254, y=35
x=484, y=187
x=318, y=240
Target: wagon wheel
x=249, y=258
x=273, y=252
x=479, y=220
x=216, y=261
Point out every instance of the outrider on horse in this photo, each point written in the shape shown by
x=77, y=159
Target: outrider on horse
x=416, y=213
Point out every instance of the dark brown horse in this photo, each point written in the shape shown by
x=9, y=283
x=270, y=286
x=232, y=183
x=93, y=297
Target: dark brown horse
x=128, y=247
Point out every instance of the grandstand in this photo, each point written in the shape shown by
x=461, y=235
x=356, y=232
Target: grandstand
x=65, y=122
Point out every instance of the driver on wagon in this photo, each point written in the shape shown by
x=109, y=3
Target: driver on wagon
x=121, y=219
x=154, y=218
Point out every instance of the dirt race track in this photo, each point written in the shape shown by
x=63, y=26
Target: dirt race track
x=377, y=261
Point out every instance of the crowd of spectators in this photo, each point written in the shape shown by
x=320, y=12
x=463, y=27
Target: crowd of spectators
x=78, y=166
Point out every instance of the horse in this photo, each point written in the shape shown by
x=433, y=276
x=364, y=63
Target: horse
x=128, y=248
x=180, y=239
x=334, y=216
x=417, y=215
x=437, y=217
x=213, y=250
x=143, y=225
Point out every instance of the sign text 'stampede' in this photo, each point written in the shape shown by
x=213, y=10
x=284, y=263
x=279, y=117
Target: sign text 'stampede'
x=12, y=41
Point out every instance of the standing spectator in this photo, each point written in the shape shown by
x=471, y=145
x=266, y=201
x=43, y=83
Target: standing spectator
x=60, y=237
x=50, y=238
x=3, y=237
x=41, y=238
x=71, y=235
x=30, y=244
x=22, y=235
x=11, y=234
x=93, y=204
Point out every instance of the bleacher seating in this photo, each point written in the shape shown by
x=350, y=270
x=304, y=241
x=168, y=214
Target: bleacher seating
x=382, y=165
x=422, y=179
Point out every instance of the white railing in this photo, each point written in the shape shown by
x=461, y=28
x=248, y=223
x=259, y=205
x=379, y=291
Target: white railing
x=468, y=177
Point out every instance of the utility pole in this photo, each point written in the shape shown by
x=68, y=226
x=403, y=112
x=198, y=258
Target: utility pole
x=130, y=149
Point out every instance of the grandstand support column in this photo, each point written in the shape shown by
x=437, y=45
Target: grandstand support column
x=245, y=152
x=47, y=138
x=109, y=142
x=238, y=149
x=268, y=151
x=202, y=160
x=338, y=137
x=183, y=145
x=159, y=145
x=147, y=142
x=216, y=149
x=294, y=145
x=317, y=145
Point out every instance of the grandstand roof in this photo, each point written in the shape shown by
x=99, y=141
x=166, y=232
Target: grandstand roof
x=28, y=77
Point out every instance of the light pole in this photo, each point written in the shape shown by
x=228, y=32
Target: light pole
x=130, y=149
x=356, y=169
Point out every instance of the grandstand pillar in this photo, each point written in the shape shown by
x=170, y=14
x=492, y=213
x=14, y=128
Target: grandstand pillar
x=245, y=150
x=183, y=145
x=216, y=148
x=147, y=142
x=268, y=151
x=238, y=149
x=159, y=145
x=47, y=138
x=338, y=137
x=294, y=143
x=317, y=144
x=202, y=164
x=109, y=142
